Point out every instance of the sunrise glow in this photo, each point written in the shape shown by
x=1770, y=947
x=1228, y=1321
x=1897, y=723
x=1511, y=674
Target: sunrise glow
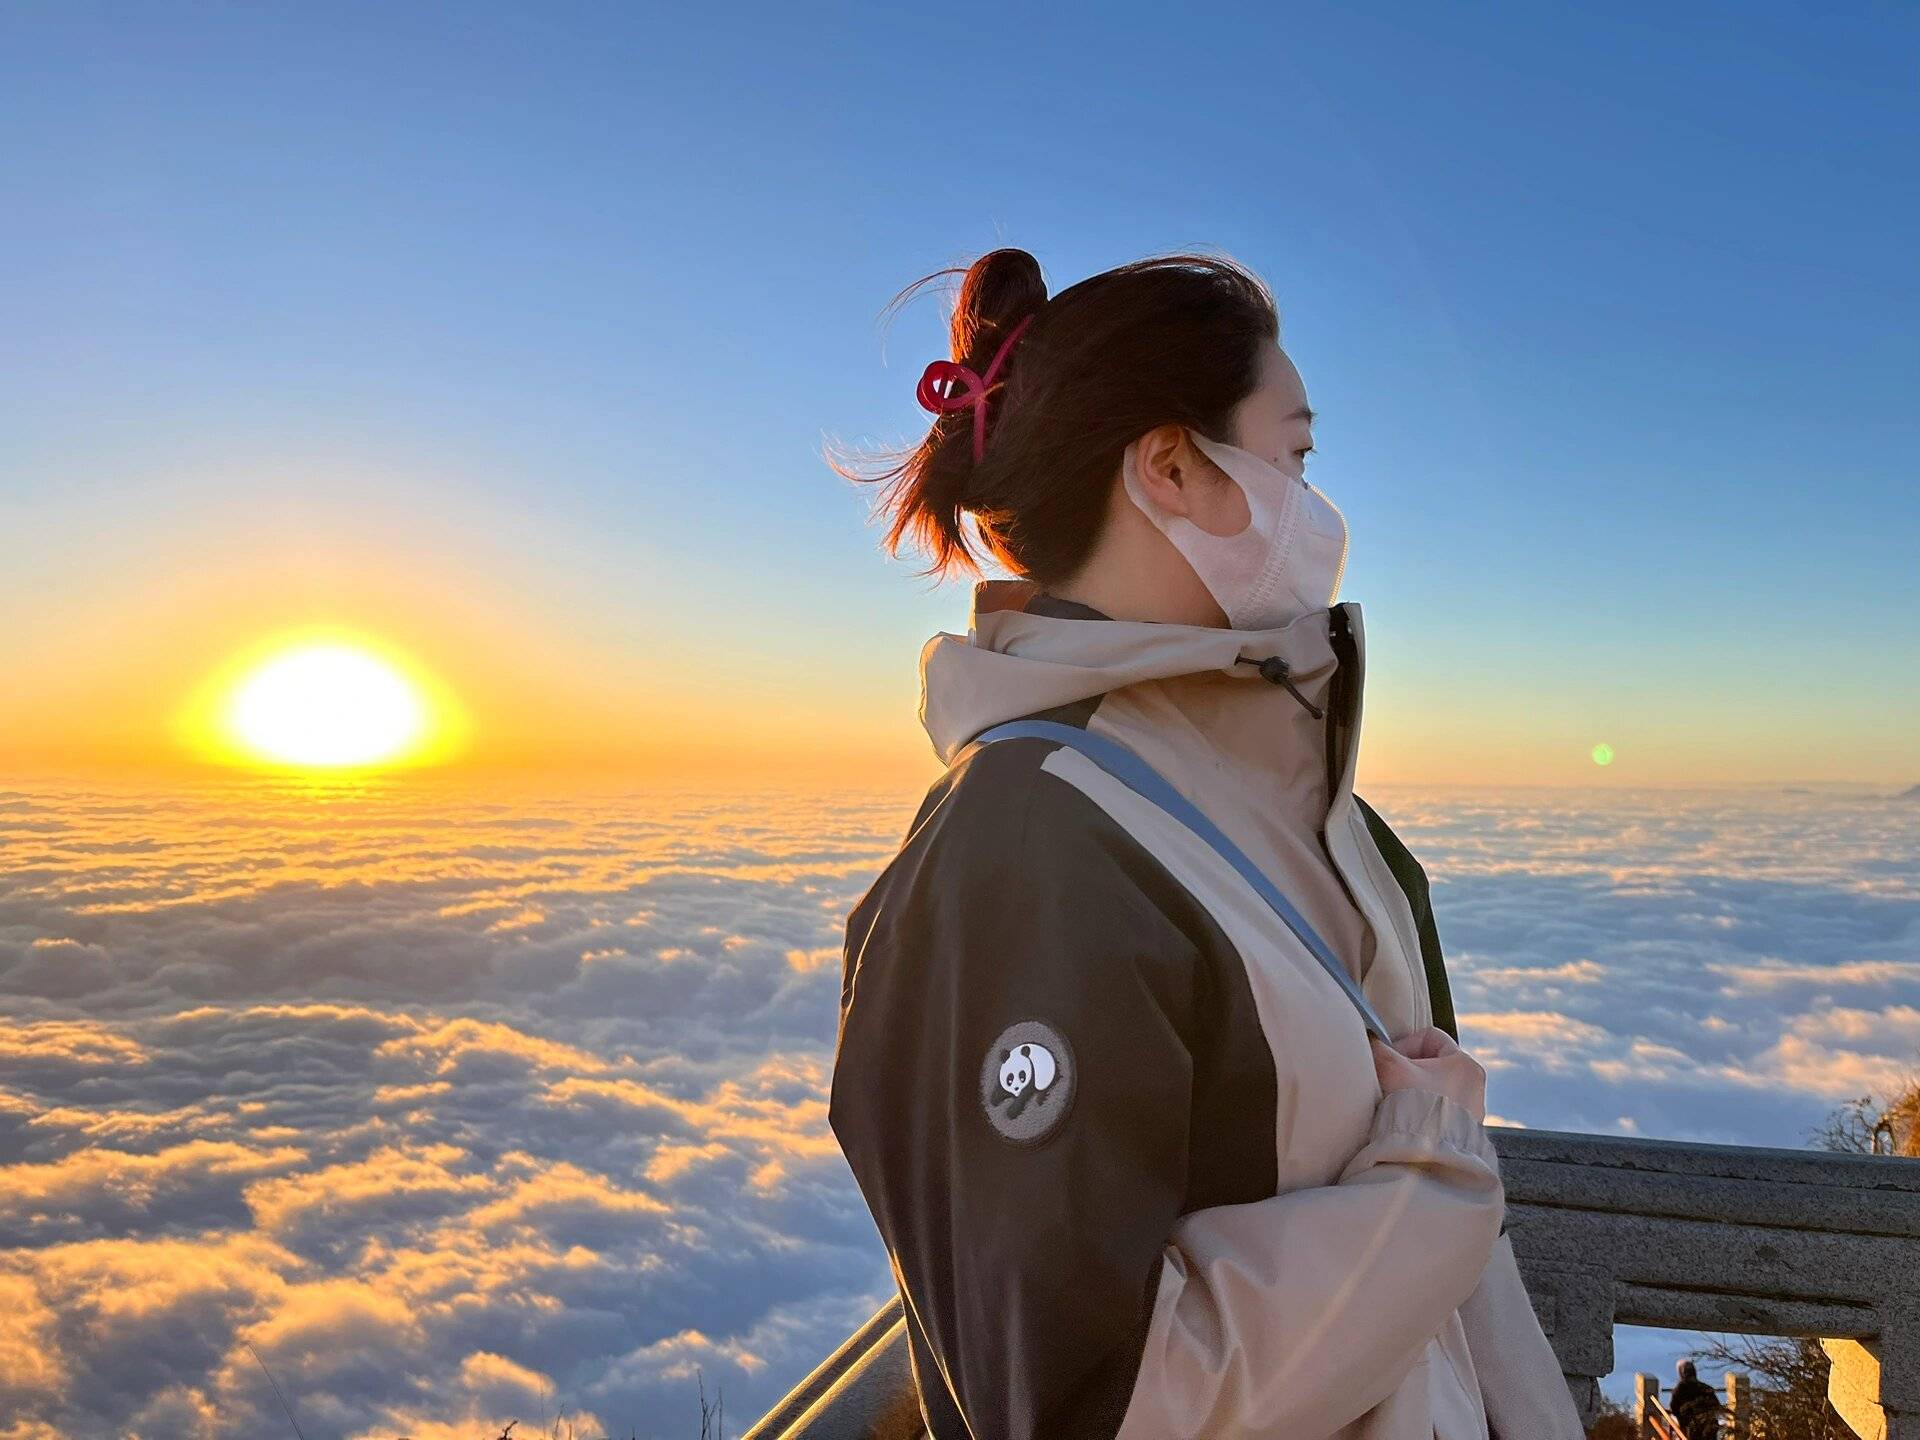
x=323, y=701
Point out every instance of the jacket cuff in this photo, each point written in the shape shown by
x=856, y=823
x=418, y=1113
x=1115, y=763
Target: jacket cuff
x=1435, y=1117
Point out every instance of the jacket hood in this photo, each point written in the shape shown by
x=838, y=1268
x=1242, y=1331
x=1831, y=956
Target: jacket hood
x=1013, y=661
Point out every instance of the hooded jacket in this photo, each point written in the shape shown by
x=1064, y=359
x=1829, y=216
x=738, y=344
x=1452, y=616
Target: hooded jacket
x=1121, y=1134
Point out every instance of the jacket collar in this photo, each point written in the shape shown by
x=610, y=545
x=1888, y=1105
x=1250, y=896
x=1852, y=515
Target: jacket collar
x=1025, y=651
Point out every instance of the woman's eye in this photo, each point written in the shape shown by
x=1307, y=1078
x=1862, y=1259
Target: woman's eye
x=1304, y=453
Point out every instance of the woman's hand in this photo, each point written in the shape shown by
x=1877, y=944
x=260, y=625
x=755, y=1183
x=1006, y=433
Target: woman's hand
x=1431, y=1059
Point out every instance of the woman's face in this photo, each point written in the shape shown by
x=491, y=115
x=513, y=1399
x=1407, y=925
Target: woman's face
x=1274, y=423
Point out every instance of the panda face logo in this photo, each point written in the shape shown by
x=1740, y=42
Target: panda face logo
x=1027, y=1082
x=1028, y=1068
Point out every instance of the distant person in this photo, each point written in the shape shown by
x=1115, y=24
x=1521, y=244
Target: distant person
x=1695, y=1404
x=1139, y=1167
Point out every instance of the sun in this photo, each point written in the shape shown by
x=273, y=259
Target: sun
x=327, y=705
x=323, y=701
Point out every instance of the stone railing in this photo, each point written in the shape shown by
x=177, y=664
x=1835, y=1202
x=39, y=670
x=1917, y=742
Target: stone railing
x=1608, y=1231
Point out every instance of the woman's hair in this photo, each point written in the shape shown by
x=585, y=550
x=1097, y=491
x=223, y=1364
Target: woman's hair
x=1173, y=339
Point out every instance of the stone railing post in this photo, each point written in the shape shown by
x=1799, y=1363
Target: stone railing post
x=1739, y=1406
x=1614, y=1230
x=1646, y=1390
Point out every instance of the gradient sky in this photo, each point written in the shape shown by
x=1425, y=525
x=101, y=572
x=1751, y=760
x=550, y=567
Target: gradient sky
x=514, y=334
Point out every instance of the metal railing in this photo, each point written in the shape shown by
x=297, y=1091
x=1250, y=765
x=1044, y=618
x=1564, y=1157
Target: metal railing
x=1657, y=1422
x=1607, y=1230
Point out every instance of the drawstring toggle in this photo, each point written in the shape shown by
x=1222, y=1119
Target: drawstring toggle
x=1276, y=671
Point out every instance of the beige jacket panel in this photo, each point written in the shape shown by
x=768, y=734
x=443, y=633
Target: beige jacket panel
x=1513, y=1358
x=1310, y=1313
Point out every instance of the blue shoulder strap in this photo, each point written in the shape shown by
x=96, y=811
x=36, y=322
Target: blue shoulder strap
x=1141, y=778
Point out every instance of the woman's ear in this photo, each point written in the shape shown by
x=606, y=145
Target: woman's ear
x=1164, y=462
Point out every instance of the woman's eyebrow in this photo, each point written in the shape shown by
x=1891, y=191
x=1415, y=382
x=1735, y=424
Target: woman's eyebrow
x=1303, y=413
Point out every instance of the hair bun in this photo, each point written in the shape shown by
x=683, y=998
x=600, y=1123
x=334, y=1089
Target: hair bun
x=1001, y=289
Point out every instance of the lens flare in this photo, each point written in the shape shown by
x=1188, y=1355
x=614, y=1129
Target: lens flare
x=1603, y=754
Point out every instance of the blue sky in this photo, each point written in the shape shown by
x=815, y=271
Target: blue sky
x=1609, y=315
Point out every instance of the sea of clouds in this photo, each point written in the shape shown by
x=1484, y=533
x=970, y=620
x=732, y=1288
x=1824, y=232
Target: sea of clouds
x=448, y=1107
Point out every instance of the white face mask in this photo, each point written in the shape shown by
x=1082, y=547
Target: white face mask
x=1287, y=561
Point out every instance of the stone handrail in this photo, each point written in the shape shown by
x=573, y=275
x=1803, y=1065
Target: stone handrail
x=1608, y=1230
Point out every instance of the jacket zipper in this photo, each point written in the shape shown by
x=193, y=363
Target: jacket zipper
x=1340, y=703
x=1276, y=671
x=1338, y=695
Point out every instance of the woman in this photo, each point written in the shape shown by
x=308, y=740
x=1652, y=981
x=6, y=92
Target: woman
x=1140, y=1170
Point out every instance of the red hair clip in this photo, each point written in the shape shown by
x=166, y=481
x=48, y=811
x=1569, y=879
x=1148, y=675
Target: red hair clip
x=947, y=386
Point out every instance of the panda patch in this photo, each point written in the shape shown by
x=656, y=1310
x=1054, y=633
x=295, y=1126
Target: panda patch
x=1027, y=1082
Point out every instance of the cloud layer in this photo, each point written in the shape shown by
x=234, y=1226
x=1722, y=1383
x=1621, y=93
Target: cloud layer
x=449, y=1108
